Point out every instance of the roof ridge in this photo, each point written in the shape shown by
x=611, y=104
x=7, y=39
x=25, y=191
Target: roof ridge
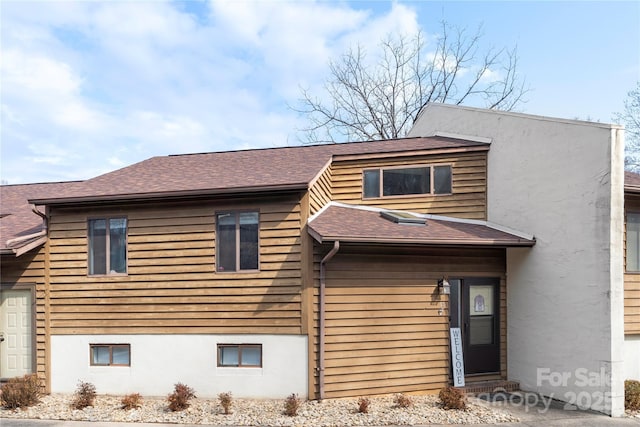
x=533, y=116
x=43, y=183
x=322, y=144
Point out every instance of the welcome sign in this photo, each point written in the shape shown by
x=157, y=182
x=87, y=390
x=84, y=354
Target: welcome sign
x=457, y=360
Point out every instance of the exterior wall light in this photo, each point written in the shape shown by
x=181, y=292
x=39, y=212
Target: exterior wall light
x=444, y=288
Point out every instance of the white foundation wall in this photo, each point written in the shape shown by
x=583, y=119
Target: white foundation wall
x=160, y=361
x=632, y=357
x=562, y=181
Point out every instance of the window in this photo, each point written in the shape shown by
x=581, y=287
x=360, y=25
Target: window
x=107, y=246
x=406, y=181
x=633, y=242
x=237, y=241
x=110, y=354
x=240, y=355
x=442, y=179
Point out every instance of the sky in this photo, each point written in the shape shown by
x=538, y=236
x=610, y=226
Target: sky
x=88, y=87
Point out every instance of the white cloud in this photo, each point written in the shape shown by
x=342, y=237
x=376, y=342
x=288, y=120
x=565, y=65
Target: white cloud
x=37, y=73
x=489, y=76
x=90, y=86
x=48, y=90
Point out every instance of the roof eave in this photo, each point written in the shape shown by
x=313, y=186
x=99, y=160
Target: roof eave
x=430, y=151
x=632, y=189
x=423, y=242
x=29, y=246
x=169, y=195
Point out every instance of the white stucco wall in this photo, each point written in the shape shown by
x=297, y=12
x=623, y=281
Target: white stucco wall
x=632, y=357
x=160, y=361
x=562, y=181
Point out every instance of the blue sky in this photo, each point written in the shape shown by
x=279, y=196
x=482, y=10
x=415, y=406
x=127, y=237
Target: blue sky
x=88, y=87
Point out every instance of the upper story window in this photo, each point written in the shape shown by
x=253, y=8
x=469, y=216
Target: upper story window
x=107, y=246
x=385, y=182
x=633, y=242
x=237, y=241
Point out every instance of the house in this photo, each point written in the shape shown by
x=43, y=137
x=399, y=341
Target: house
x=632, y=276
x=338, y=270
x=23, y=235
x=563, y=181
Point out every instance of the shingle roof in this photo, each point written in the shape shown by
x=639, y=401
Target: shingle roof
x=632, y=181
x=348, y=223
x=16, y=216
x=237, y=171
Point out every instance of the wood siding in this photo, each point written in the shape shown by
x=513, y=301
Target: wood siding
x=172, y=285
x=320, y=192
x=29, y=270
x=631, y=280
x=387, y=328
x=468, y=200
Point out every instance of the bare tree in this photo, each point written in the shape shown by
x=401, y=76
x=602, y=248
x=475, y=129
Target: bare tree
x=366, y=100
x=630, y=117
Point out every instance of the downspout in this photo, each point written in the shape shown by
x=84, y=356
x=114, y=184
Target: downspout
x=40, y=233
x=327, y=257
x=41, y=215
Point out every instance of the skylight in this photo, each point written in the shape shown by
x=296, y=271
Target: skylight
x=403, y=217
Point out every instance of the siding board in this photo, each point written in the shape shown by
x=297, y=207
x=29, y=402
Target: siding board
x=321, y=191
x=469, y=185
x=631, y=280
x=171, y=285
x=386, y=327
x=29, y=269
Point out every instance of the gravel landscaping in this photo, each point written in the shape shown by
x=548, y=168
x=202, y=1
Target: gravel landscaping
x=246, y=412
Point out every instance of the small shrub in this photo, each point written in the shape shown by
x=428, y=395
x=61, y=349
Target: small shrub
x=84, y=396
x=131, y=401
x=226, y=401
x=291, y=405
x=632, y=395
x=20, y=392
x=452, y=398
x=179, y=399
x=403, y=401
x=363, y=405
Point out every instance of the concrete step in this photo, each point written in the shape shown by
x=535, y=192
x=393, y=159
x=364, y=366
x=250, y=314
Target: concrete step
x=494, y=386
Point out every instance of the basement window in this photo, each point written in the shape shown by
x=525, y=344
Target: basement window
x=110, y=354
x=240, y=355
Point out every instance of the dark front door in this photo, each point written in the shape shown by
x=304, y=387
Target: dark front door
x=474, y=307
x=479, y=312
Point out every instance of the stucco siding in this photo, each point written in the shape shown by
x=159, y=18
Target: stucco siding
x=561, y=181
x=160, y=361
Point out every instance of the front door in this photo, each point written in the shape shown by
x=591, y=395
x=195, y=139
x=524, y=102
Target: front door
x=15, y=332
x=475, y=309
